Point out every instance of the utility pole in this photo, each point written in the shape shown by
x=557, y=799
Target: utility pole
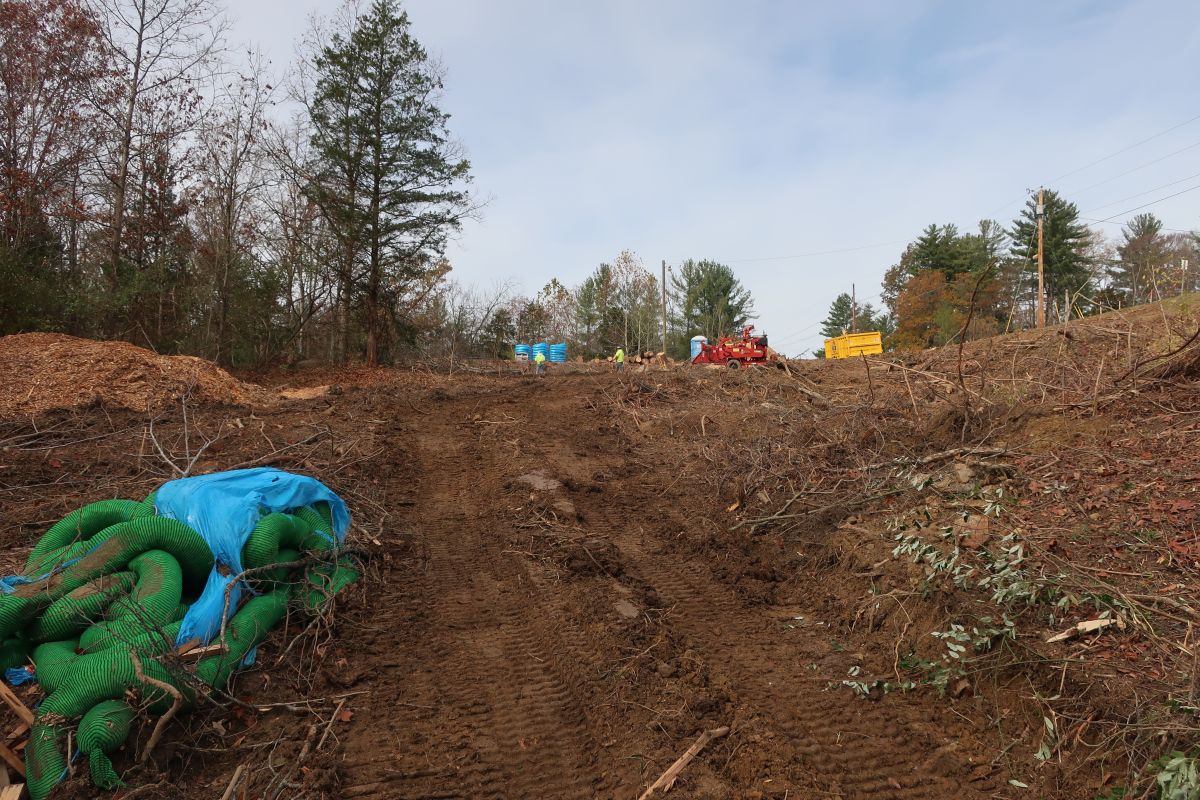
x=1183, y=262
x=853, y=307
x=1041, y=222
x=664, y=305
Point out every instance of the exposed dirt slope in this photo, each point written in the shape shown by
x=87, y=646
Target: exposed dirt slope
x=569, y=579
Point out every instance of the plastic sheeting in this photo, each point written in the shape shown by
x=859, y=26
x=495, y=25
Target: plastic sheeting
x=223, y=508
x=10, y=583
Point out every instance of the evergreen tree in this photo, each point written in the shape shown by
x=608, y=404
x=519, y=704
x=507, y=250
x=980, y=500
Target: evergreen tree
x=709, y=300
x=594, y=321
x=499, y=333
x=1143, y=250
x=838, y=321
x=390, y=179
x=1066, y=241
x=845, y=318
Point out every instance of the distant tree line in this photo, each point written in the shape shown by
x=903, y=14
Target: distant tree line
x=620, y=304
x=948, y=284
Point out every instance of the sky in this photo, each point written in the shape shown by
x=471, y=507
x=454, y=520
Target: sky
x=802, y=143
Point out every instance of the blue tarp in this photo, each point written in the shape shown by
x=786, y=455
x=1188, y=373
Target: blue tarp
x=223, y=508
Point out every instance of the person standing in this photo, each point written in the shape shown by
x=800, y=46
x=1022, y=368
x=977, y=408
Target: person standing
x=619, y=359
x=539, y=364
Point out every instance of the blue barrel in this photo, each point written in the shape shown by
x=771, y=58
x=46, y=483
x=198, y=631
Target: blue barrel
x=521, y=351
x=696, y=342
x=558, y=353
x=540, y=347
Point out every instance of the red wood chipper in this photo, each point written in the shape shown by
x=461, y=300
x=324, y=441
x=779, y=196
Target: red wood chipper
x=734, y=353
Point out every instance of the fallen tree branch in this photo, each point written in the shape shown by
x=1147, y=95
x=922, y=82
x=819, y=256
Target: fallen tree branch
x=329, y=726
x=275, y=454
x=233, y=782
x=933, y=377
x=667, y=779
x=1087, y=626
x=848, y=503
x=166, y=688
x=957, y=451
x=1163, y=358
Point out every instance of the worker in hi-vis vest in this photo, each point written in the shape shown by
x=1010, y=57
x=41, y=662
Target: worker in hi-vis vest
x=539, y=363
x=619, y=358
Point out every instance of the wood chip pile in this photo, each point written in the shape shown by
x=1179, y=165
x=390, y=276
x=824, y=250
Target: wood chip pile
x=48, y=371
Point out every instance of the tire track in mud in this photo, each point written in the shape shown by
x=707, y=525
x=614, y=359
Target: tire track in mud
x=844, y=746
x=509, y=719
x=851, y=748
x=510, y=674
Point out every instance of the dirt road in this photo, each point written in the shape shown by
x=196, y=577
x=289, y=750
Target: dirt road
x=560, y=635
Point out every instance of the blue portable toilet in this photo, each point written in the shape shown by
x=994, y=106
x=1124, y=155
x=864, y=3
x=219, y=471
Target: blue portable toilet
x=696, y=342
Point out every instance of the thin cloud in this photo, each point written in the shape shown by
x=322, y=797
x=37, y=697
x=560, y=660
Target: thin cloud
x=704, y=129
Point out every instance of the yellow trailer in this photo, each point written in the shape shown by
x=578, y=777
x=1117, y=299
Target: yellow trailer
x=854, y=344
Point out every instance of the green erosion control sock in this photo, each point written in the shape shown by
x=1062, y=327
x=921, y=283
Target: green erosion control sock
x=101, y=731
x=124, y=580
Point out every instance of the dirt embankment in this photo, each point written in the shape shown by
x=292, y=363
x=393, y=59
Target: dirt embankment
x=854, y=566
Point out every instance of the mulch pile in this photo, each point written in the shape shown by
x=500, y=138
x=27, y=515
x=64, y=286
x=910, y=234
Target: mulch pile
x=48, y=371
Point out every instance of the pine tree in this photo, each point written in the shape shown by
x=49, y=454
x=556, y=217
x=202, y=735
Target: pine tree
x=1143, y=250
x=709, y=300
x=597, y=327
x=390, y=181
x=1066, y=239
x=838, y=321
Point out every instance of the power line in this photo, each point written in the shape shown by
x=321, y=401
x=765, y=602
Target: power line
x=1151, y=203
x=1135, y=169
x=1125, y=149
x=1142, y=194
x=1111, y=222
x=802, y=332
x=1060, y=177
x=1102, y=159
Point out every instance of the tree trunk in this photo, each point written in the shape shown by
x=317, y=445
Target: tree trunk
x=124, y=154
x=373, y=318
x=345, y=284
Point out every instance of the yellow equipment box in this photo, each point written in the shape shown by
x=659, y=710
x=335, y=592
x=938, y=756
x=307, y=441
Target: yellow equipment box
x=854, y=344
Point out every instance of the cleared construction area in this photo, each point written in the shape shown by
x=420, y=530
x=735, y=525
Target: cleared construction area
x=967, y=573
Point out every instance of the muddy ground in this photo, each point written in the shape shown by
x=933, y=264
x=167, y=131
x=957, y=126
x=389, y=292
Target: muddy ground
x=568, y=579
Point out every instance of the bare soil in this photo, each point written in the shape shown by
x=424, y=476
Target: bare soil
x=568, y=579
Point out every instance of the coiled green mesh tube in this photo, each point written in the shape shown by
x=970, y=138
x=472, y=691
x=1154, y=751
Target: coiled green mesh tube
x=111, y=581
x=74, y=612
x=249, y=626
x=53, y=661
x=112, y=550
x=154, y=601
x=103, y=728
x=82, y=524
